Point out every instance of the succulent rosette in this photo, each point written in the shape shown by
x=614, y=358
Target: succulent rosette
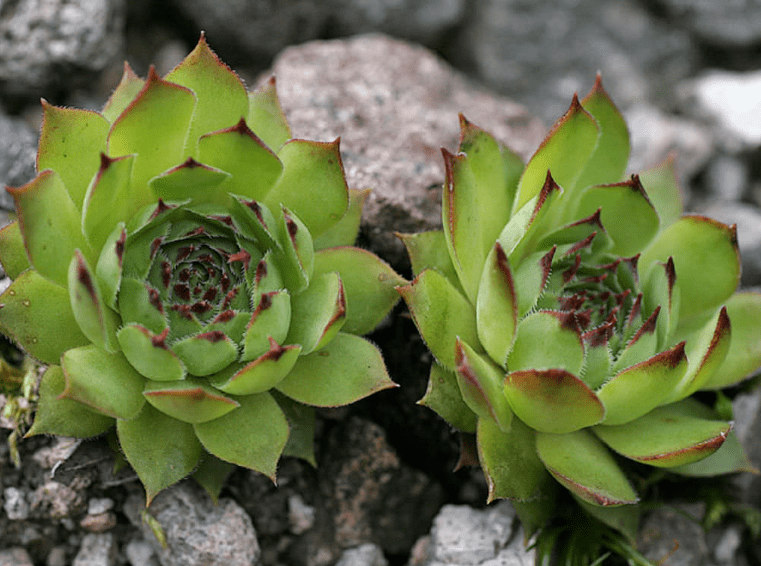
x=185, y=269
x=572, y=313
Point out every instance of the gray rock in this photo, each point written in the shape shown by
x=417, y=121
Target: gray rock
x=748, y=220
x=300, y=515
x=668, y=533
x=730, y=100
x=364, y=555
x=727, y=178
x=18, y=152
x=725, y=550
x=393, y=105
x=46, y=42
x=15, y=557
x=96, y=550
x=465, y=536
x=729, y=23
x=197, y=531
x=16, y=506
x=747, y=413
x=140, y=553
x=540, y=53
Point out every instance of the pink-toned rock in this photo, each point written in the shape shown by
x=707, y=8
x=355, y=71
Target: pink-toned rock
x=394, y=106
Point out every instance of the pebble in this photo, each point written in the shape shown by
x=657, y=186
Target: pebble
x=16, y=505
x=96, y=550
x=300, y=515
x=364, y=555
x=15, y=557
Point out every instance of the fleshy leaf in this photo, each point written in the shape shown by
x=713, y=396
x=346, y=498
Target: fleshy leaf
x=64, y=417
x=270, y=320
x=96, y=321
x=428, y=250
x=369, y=282
x=37, y=315
x=50, y=223
x=312, y=185
x=695, y=242
x=480, y=383
x=665, y=437
x=253, y=435
x=349, y=368
x=109, y=267
x=266, y=116
x=497, y=306
x=627, y=214
x=744, y=356
x=552, y=400
x=12, y=252
x=148, y=353
x=221, y=97
x=728, y=459
x=162, y=450
x=154, y=126
x=190, y=400
x=211, y=474
x=564, y=152
x=511, y=465
x=581, y=463
x=301, y=421
x=206, y=353
x=441, y=314
x=443, y=396
x=662, y=188
x=106, y=382
x=193, y=180
x=108, y=200
x=141, y=304
x=252, y=166
x=536, y=332
x=297, y=263
x=345, y=231
x=129, y=87
x=640, y=388
x=318, y=313
x=260, y=375
x=661, y=290
x=70, y=144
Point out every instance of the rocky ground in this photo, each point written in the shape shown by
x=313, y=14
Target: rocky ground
x=683, y=72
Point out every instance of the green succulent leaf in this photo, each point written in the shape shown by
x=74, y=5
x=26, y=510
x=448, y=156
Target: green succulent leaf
x=50, y=224
x=254, y=435
x=564, y=152
x=661, y=185
x=312, y=185
x=252, y=166
x=37, y=315
x=103, y=381
x=730, y=458
x=161, y=449
x=269, y=321
x=149, y=354
x=154, y=126
x=206, y=353
x=581, y=463
x=71, y=141
x=211, y=475
x=301, y=421
x=443, y=396
x=744, y=356
x=56, y=415
x=298, y=257
x=129, y=87
x=96, y=321
x=260, y=375
x=661, y=290
x=627, y=214
x=369, y=283
x=665, y=437
x=428, y=250
x=480, y=383
x=221, y=97
x=349, y=368
x=497, y=306
x=441, y=314
x=623, y=518
x=640, y=388
x=318, y=313
x=12, y=252
x=266, y=116
x=108, y=270
x=190, y=400
x=510, y=461
x=695, y=242
x=345, y=231
x=190, y=179
x=547, y=327
x=552, y=400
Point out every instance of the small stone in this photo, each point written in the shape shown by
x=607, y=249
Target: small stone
x=96, y=506
x=50, y=456
x=15, y=504
x=462, y=535
x=57, y=556
x=300, y=515
x=669, y=533
x=15, y=557
x=727, y=178
x=55, y=500
x=18, y=151
x=96, y=550
x=98, y=523
x=364, y=555
x=140, y=553
x=725, y=549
